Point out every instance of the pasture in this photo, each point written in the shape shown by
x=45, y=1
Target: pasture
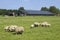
x=38, y=33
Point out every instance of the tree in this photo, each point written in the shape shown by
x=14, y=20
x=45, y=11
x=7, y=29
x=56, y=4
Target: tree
x=21, y=11
x=55, y=10
x=58, y=12
x=21, y=8
x=3, y=11
x=44, y=9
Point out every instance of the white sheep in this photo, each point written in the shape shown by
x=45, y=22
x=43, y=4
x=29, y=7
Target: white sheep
x=48, y=25
x=19, y=30
x=6, y=28
x=36, y=24
x=12, y=28
x=32, y=26
x=45, y=24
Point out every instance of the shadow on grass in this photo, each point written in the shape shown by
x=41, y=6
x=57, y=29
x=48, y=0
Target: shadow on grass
x=16, y=33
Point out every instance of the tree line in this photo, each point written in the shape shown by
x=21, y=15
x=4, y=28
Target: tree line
x=52, y=9
x=5, y=11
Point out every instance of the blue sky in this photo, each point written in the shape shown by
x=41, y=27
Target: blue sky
x=28, y=4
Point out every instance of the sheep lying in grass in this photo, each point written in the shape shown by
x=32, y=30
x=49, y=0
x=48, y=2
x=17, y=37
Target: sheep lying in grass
x=45, y=24
x=12, y=28
x=6, y=28
x=48, y=25
x=36, y=24
x=19, y=30
x=32, y=26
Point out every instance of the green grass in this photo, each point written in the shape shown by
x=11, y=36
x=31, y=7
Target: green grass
x=39, y=33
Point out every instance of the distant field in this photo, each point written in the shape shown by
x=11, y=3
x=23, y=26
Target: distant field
x=39, y=33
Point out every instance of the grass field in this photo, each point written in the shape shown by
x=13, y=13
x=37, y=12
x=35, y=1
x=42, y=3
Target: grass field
x=39, y=33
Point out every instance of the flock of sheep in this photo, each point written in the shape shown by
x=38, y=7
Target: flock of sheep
x=20, y=30
x=14, y=28
x=43, y=24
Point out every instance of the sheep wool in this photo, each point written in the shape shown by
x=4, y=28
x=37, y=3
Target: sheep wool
x=32, y=25
x=12, y=28
x=6, y=28
x=19, y=30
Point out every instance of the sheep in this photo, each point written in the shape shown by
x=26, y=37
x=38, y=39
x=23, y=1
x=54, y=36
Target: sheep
x=36, y=24
x=32, y=26
x=19, y=30
x=12, y=28
x=6, y=28
x=45, y=24
x=48, y=25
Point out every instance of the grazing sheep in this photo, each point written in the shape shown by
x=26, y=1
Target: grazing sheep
x=48, y=25
x=45, y=24
x=32, y=26
x=12, y=28
x=36, y=24
x=19, y=30
x=6, y=28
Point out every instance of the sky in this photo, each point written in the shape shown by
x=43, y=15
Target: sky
x=28, y=4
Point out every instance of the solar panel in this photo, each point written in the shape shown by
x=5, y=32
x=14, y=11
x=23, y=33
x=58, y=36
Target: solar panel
x=38, y=12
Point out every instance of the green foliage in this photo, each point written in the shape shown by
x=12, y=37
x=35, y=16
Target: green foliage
x=21, y=8
x=53, y=9
x=22, y=11
x=3, y=11
x=6, y=12
x=44, y=9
